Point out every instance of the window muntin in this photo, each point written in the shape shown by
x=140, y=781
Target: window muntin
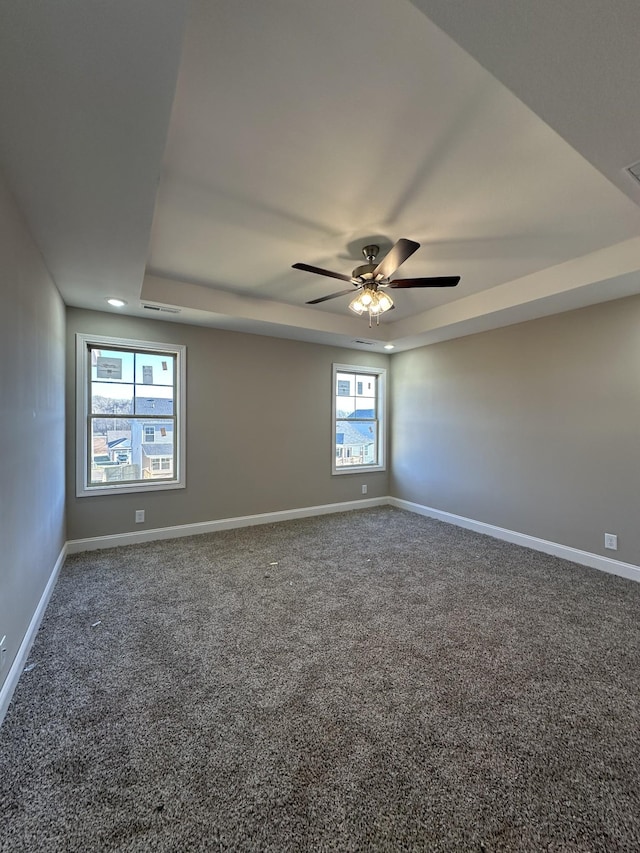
x=131, y=397
x=358, y=418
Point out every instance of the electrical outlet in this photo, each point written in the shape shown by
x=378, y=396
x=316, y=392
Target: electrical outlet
x=611, y=541
x=3, y=652
x=139, y=516
x=364, y=490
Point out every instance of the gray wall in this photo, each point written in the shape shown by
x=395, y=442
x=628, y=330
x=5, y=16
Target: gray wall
x=32, y=479
x=534, y=427
x=258, y=429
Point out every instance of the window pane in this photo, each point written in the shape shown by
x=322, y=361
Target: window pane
x=366, y=385
x=345, y=384
x=345, y=407
x=125, y=449
x=154, y=369
x=111, y=366
x=365, y=407
x=111, y=398
x=111, y=457
x=154, y=401
x=356, y=443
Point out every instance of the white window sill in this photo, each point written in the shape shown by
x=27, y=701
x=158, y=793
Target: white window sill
x=359, y=469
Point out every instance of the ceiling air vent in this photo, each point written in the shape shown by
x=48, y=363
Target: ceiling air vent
x=161, y=308
x=634, y=171
x=366, y=343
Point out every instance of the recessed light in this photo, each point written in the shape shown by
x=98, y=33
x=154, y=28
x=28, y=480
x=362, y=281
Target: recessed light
x=117, y=303
x=389, y=346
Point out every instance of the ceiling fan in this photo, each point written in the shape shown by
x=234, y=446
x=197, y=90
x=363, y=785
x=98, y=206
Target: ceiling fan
x=372, y=280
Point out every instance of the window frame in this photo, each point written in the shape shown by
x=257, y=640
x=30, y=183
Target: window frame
x=83, y=376
x=380, y=374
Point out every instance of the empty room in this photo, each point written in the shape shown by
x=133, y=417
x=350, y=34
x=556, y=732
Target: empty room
x=319, y=471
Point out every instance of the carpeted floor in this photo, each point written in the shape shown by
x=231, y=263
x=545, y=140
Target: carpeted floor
x=366, y=681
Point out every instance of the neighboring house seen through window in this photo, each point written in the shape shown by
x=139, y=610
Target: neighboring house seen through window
x=358, y=418
x=130, y=403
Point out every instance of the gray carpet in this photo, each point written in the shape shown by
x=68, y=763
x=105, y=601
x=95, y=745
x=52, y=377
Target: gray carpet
x=393, y=683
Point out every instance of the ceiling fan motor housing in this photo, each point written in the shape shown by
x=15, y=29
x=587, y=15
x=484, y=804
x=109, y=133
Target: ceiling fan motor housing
x=364, y=272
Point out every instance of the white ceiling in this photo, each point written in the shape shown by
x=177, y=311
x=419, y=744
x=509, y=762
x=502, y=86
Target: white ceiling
x=187, y=154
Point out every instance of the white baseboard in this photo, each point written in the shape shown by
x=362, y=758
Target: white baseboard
x=94, y=543
x=13, y=676
x=584, y=558
x=565, y=552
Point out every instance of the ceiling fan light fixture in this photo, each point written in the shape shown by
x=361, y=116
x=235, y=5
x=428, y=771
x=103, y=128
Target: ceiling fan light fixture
x=385, y=301
x=374, y=302
x=356, y=305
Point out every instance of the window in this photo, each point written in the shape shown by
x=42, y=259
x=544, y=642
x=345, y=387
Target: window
x=358, y=418
x=130, y=409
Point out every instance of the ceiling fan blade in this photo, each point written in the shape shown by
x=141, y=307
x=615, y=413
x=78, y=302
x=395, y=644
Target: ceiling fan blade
x=320, y=271
x=437, y=281
x=397, y=255
x=330, y=296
